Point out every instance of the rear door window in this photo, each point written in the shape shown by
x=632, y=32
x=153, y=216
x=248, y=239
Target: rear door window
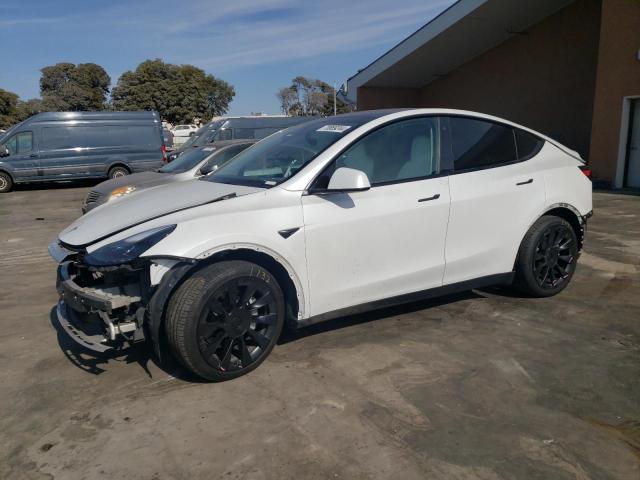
x=478, y=144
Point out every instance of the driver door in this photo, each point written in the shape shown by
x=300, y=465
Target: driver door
x=387, y=241
x=23, y=156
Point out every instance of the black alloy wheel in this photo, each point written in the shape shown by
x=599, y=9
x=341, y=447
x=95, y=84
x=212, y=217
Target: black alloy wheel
x=224, y=320
x=547, y=257
x=238, y=324
x=554, y=257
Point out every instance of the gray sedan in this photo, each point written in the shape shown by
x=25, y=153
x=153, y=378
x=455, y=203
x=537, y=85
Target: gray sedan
x=191, y=164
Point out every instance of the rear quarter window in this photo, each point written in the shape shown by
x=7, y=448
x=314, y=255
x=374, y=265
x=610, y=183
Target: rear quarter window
x=527, y=145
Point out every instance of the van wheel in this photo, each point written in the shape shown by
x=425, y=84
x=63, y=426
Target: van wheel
x=116, y=172
x=223, y=321
x=6, y=184
x=547, y=257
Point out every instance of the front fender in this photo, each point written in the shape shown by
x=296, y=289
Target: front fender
x=158, y=302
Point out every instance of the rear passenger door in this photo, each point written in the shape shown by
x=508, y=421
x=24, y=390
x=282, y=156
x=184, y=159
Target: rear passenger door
x=495, y=192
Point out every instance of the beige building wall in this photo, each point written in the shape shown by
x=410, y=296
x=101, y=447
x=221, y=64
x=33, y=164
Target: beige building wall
x=618, y=76
x=543, y=78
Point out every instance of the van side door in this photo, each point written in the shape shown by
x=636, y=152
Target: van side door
x=22, y=161
x=63, y=152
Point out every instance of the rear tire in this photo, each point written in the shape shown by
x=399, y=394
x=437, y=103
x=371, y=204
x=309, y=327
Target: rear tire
x=118, y=171
x=225, y=319
x=6, y=183
x=547, y=258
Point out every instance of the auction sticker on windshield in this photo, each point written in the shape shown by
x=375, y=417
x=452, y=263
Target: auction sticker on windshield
x=334, y=128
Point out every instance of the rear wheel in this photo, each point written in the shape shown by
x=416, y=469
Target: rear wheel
x=547, y=257
x=6, y=184
x=118, y=171
x=224, y=320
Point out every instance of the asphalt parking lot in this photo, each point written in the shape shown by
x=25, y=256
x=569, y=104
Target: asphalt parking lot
x=482, y=385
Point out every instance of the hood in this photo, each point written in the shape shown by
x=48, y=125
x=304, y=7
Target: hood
x=136, y=179
x=140, y=207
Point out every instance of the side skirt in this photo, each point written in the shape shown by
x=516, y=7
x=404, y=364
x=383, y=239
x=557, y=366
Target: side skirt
x=489, y=280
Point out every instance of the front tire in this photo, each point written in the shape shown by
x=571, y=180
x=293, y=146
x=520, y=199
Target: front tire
x=6, y=183
x=223, y=321
x=547, y=257
x=117, y=172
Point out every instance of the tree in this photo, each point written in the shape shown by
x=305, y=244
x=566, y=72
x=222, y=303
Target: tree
x=69, y=87
x=8, y=108
x=29, y=107
x=179, y=93
x=13, y=110
x=288, y=99
x=307, y=96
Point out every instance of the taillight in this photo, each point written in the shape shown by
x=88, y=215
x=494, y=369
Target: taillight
x=586, y=170
x=163, y=149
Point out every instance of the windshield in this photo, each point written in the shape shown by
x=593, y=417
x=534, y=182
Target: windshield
x=10, y=131
x=204, y=135
x=187, y=160
x=280, y=156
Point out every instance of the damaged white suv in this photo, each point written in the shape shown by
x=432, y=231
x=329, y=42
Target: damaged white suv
x=331, y=217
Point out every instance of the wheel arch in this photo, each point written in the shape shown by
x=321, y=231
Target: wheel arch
x=119, y=163
x=565, y=211
x=570, y=214
x=266, y=258
x=6, y=171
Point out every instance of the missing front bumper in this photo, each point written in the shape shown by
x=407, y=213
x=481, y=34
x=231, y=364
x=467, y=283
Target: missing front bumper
x=98, y=317
x=82, y=334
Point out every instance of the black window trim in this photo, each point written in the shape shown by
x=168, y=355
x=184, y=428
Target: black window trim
x=503, y=124
x=447, y=170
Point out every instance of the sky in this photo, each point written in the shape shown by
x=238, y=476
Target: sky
x=258, y=46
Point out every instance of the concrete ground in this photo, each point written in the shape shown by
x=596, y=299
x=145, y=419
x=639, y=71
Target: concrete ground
x=481, y=385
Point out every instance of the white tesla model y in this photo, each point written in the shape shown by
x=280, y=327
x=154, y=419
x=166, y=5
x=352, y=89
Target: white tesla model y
x=331, y=217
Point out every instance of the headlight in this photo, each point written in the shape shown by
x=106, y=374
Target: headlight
x=128, y=249
x=121, y=191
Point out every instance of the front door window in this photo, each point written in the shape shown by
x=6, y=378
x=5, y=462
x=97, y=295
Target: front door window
x=20, y=143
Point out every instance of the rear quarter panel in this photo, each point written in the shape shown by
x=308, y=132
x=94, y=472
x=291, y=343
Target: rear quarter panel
x=565, y=183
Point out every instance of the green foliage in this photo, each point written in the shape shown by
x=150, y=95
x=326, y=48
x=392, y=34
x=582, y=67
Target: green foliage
x=8, y=108
x=306, y=96
x=13, y=110
x=69, y=87
x=179, y=92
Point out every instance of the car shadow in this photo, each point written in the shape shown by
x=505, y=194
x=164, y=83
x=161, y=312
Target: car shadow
x=97, y=363
x=291, y=335
x=143, y=354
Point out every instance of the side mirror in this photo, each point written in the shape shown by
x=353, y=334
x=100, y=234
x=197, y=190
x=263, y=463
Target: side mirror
x=348, y=180
x=4, y=151
x=207, y=168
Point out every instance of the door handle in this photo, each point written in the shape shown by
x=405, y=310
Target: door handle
x=33, y=155
x=525, y=183
x=434, y=197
